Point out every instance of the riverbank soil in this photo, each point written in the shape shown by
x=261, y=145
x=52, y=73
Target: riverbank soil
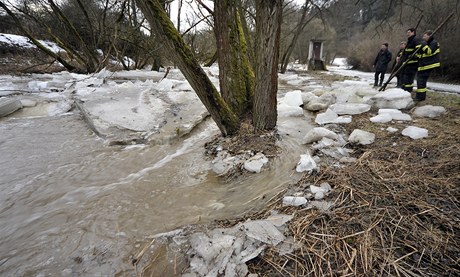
x=396, y=209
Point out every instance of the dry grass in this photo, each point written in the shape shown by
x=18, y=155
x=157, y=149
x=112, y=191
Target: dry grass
x=396, y=210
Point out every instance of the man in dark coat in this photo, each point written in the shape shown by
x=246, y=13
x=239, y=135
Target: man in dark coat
x=381, y=64
x=397, y=63
x=410, y=70
x=428, y=60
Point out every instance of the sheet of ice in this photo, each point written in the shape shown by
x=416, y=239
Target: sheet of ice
x=429, y=111
x=415, y=132
x=350, y=108
x=361, y=137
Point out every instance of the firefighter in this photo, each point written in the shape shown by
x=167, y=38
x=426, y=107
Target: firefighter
x=428, y=60
x=397, y=63
x=410, y=70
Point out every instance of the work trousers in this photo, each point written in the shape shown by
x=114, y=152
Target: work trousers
x=422, y=78
x=408, y=76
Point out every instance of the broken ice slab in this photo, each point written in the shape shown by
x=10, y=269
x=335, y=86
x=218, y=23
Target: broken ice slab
x=9, y=106
x=293, y=98
x=317, y=134
x=395, y=98
x=361, y=137
x=294, y=201
x=429, y=111
x=331, y=117
x=306, y=163
x=415, y=132
x=255, y=164
x=264, y=231
x=350, y=108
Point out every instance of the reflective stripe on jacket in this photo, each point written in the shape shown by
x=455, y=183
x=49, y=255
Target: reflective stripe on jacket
x=429, y=55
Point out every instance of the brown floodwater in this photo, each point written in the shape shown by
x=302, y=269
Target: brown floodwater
x=71, y=205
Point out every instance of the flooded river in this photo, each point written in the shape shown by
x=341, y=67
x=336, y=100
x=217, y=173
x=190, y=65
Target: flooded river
x=72, y=206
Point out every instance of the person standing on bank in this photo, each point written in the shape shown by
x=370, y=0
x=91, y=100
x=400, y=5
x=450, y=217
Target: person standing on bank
x=381, y=64
x=397, y=63
x=428, y=60
x=410, y=69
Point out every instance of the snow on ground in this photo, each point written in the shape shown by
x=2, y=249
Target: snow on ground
x=24, y=42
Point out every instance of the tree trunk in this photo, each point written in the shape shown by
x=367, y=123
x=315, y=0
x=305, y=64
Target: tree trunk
x=235, y=73
x=176, y=50
x=268, y=25
x=298, y=31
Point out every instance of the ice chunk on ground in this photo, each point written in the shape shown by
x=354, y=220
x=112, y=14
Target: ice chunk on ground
x=350, y=108
x=254, y=164
x=395, y=114
x=293, y=98
x=316, y=189
x=322, y=206
x=381, y=118
x=284, y=110
x=317, y=134
x=391, y=129
x=394, y=98
x=415, y=132
x=306, y=163
x=307, y=97
x=294, y=201
x=429, y=111
x=279, y=219
x=263, y=231
x=361, y=137
x=321, y=102
x=331, y=117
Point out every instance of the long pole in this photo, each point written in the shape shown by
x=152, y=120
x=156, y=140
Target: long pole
x=397, y=65
x=413, y=54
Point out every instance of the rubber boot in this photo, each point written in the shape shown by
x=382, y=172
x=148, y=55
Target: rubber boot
x=420, y=96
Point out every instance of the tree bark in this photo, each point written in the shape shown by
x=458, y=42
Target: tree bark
x=268, y=25
x=235, y=73
x=176, y=50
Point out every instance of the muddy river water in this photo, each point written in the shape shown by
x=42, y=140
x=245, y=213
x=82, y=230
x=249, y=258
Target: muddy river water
x=70, y=205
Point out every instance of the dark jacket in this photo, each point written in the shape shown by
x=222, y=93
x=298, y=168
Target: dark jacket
x=382, y=60
x=412, y=44
x=397, y=64
x=429, y=55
